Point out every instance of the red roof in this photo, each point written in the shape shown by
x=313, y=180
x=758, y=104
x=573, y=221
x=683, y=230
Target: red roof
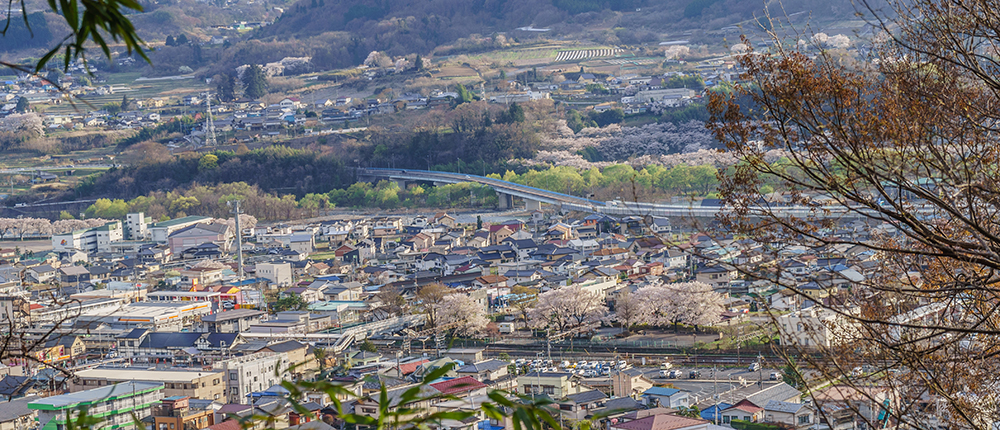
x=34, y=306
x=226, y=425
x=746, y=406
x=458, y=385
x=408, y=368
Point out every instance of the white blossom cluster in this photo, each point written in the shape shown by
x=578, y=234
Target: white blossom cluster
x=657, y=139
x=29, y=124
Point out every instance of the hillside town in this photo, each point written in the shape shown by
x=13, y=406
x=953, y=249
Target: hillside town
x=200, y=325
x=249, y=119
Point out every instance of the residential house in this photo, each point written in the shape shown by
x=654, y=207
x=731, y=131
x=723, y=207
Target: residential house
x=489, y=370
x=553, y=384
x=580, y=406
x=666, y=397
x=743, y=410
x=662, y=422
x=629, y=383
x=791, y=415
x=15, y=414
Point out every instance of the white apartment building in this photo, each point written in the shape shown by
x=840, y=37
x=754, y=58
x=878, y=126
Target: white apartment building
x=279, y=274
x=252, y=373
x=97, y=239
x=135, y=226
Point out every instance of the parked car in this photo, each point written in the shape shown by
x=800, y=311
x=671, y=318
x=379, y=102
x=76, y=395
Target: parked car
x=775, y=376
x=694, y=374
x=754, y=367
x=674, y=374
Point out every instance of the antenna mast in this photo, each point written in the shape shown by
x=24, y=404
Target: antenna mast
x=209, y=125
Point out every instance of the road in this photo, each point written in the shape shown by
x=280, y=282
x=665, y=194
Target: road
x=21, y=170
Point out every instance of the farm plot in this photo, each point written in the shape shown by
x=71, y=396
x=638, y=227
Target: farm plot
x=583, y=54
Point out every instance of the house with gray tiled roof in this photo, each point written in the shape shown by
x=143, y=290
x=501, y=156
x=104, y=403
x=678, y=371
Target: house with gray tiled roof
x=796, y=415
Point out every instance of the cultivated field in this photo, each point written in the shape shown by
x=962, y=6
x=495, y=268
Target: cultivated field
x=583, y=54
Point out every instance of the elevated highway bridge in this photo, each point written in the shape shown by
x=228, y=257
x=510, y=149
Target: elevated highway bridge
x=534, y=197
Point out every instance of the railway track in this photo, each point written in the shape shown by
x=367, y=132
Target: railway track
x=633, y=354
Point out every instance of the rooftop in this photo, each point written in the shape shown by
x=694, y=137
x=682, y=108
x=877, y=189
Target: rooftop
x=118, y=374
x=84, y=398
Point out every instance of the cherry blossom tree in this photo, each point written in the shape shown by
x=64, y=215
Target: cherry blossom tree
x=839, y=41
x=566, y=308
x=24, y=226
x=820, y=38
x=629, y=309
x=246, y=221
x=469, y=315
x=68, y=225
x=693, y=303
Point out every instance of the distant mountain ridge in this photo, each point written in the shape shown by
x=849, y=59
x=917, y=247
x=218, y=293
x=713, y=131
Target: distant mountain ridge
x=420, y=26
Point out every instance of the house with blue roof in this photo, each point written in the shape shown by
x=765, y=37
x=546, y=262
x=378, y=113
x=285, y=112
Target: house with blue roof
x=711, y=413
x=666, y=397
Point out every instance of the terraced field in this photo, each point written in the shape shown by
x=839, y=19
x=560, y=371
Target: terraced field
x=125, y=84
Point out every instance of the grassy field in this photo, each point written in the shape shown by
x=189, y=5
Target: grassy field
x=140, y=90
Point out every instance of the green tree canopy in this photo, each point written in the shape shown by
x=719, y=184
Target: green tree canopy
x=107, y=208
x=254, y=82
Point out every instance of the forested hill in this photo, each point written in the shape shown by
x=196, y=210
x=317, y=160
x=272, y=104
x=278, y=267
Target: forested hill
x=401, y=27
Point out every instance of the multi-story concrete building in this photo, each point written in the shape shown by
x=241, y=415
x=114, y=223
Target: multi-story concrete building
x=251, y=373
x=206, y=385
x=135, y=226
x=117, y=405
x=97, y=239
x=175, y=413
x=279, y=274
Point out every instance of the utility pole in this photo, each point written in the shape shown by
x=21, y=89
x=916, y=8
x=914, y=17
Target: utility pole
x=715, y=384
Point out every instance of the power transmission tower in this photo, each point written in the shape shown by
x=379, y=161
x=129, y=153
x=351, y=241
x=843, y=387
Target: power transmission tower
x=210, y=125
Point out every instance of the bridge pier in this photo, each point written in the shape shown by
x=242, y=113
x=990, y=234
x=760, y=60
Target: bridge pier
x=401, y=183
x=506, y=201
x=532, y=205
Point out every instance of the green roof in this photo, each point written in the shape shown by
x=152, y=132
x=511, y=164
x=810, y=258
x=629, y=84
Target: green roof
x=97, y=395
